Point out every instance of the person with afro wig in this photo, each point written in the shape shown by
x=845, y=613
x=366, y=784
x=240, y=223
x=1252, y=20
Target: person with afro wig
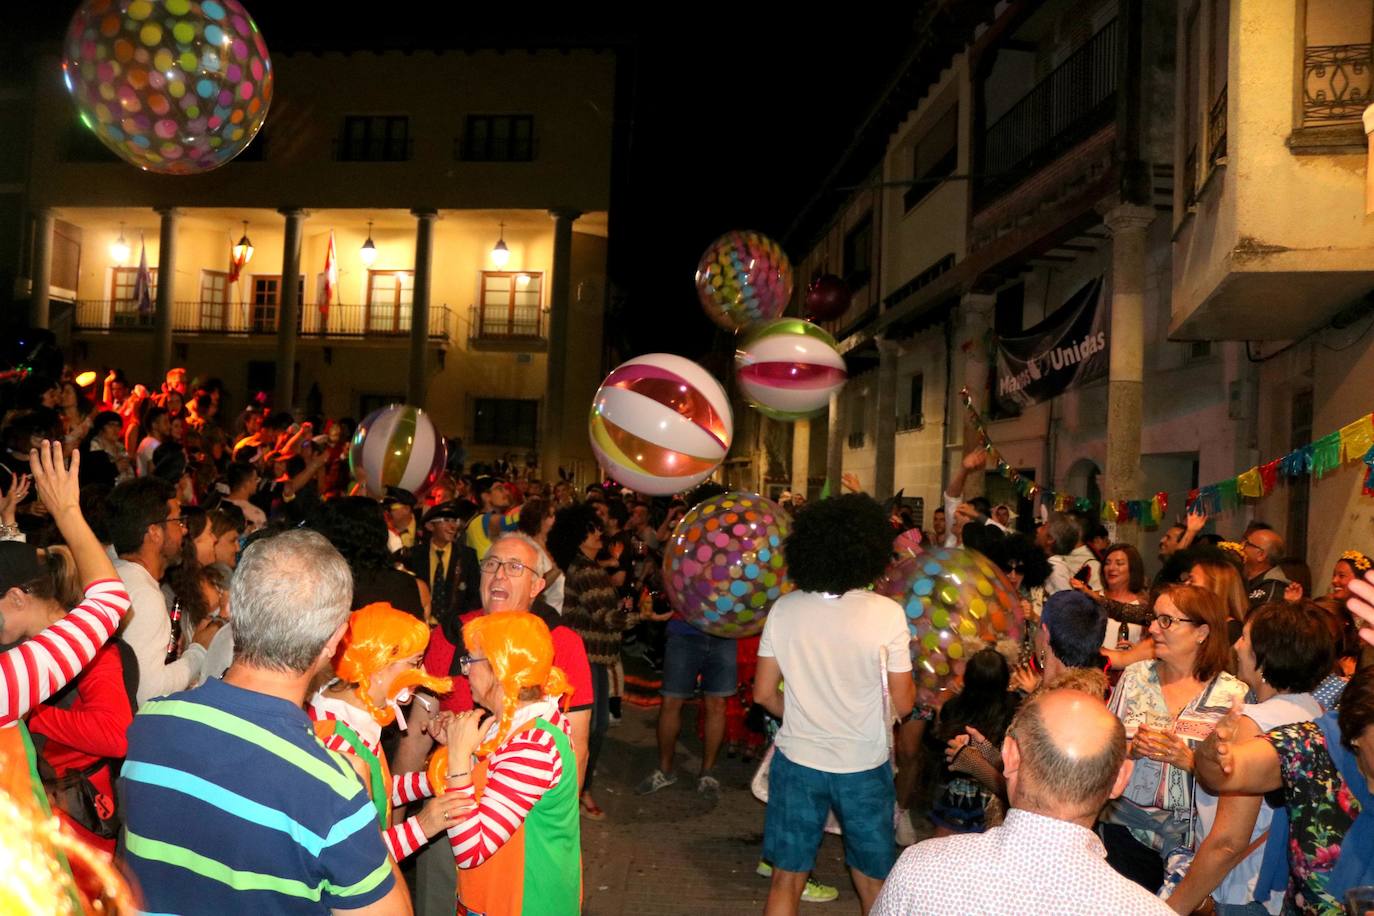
x=377, y=668
x=827, y=651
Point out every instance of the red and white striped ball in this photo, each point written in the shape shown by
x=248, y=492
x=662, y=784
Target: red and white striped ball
x=660, y=424
x=788, y=368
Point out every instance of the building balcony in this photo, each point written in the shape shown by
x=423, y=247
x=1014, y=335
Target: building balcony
x=1062, y=110
x=518, y=327
x=258, y=322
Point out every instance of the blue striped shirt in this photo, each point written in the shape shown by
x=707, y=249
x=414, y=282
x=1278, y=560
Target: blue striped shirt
x=233, y=806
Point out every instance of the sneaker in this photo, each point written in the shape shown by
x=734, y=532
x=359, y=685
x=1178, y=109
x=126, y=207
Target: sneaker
x=709, y=786
x=614, y=721
x=655, y=781
x=816, y=892
x=764, y=870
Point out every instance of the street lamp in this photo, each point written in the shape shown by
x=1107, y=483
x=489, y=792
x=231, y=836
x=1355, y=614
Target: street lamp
x=243, y=250
x=368, y=253
x=500, y=254
x=119, y=249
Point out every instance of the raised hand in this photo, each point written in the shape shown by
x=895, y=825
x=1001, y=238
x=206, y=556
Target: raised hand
x=1361, y=604
x=58, y=483
x=1216, y=751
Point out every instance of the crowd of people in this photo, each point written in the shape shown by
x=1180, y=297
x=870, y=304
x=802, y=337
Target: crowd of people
x=258, y=688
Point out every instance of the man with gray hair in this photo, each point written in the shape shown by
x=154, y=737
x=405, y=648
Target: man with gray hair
x=514, y=571
x=232, y=805
x=1064, y=755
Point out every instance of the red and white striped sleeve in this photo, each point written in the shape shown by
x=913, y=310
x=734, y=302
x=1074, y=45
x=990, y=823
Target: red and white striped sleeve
x=404, y=839
x=39, y=667
x=409, y=787
x=520, y=772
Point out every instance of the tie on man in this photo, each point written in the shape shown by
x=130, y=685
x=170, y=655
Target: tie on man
x=438, y=587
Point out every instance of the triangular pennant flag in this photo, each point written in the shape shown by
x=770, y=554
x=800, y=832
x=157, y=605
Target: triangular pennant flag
x=1162, y=504
x=1250, y=484
x=1269, y=475
x=1193, y=496
x=1228, y=496
x=825, y=489
x=1108, y=510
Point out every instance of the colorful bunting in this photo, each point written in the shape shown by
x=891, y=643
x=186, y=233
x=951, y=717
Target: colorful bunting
x=1354, y=441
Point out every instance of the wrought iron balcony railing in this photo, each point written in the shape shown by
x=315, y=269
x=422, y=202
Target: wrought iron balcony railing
x=341, y=321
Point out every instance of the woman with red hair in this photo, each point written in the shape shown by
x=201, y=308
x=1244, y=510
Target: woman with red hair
x=520, y=852
x=378, y=670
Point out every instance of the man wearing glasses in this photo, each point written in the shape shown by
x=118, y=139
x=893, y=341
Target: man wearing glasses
x=1264, y=579
x=513, y=572
x=143, y=521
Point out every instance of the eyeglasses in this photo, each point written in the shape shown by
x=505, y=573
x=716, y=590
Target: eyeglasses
x=185, y=523
x=466, y=662
x=1166, y=621
x=514, y=568
x=1252, y=545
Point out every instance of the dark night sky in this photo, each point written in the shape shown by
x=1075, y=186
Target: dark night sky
x=737, y=116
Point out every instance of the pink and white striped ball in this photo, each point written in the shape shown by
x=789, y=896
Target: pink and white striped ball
x=660, y=424
x=788, y=368
x=397, y=446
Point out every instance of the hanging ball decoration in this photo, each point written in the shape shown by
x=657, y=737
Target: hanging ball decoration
x=724, y=567
x=742, y=277
x=660, y=424
x=827, y=298
x=957, y=602
x=397, y=446
x=788, y=368
x=176, y=87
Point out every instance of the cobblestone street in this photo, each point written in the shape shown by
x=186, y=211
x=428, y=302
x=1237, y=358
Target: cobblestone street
x=675, y=852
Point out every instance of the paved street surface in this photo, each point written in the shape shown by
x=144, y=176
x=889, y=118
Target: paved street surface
x=675, y=852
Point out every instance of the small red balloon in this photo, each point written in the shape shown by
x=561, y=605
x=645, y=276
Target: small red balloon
x=827, y=298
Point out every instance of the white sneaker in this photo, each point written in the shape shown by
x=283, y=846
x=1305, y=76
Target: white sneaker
x=905, y=832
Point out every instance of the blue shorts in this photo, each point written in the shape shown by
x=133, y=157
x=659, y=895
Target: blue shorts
x=799, y=798
x=687, y=657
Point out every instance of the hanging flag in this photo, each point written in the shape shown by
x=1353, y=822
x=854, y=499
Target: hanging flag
x=236, y=261
x=1250, y=484
x=331, y=276
x=143, y=280
x=1269, y=475
x=1066, y=350
x=1357, y=438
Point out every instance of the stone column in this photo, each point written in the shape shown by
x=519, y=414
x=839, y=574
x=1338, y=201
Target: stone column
x=835, y=443
x=556, y=382
x=1128, y=225
x=166, y=292
x=975, y=326
x=40, y=276
x=885, y=443
x=289, y=308
x=801, y=455
x=419, y=306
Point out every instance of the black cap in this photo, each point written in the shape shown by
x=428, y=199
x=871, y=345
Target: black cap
x=456, y=509
x=19, y=565
x=396, y=495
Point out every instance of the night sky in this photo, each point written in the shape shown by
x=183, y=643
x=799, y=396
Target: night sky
x=736, y=118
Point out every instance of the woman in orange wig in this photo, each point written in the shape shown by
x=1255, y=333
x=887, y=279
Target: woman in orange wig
x=378, y=671
x=520, y=852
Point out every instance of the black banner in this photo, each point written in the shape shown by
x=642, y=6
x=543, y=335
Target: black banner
x=1067, y=349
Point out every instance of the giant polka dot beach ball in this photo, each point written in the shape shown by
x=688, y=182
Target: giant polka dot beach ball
x=957, y=602
x=788, y=368
x=742, y=277
x=660, y=424
x=171, y=86
x=724, y=567
x=397, y=446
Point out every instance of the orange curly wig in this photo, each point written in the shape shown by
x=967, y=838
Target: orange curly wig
x=379, y=635
x=519, y=649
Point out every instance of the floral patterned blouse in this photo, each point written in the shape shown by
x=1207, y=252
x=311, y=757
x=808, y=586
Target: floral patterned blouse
x=1321, y=809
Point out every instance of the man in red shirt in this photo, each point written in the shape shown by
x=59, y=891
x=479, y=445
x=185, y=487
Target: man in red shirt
x=513, y=575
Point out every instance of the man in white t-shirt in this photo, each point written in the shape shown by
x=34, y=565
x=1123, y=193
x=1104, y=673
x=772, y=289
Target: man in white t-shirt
x=159, y=428
x=829, y=646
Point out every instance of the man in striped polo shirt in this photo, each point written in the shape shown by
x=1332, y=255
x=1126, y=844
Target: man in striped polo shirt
x=232, y=805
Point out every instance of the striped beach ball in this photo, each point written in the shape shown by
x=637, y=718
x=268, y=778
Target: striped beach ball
x=788, y=368
x=660, y=424
x=744, y=276
x=397, y=446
